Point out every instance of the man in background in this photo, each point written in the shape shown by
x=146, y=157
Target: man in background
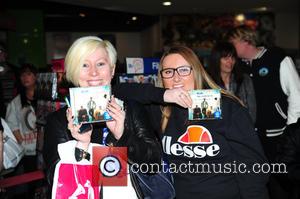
x=277, y=88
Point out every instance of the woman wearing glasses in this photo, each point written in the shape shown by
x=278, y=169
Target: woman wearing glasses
x=209, y=159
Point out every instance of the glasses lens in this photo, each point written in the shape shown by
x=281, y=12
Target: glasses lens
x=184, y=70
x=167, y=73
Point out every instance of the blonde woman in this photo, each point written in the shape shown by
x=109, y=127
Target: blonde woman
x=91, y=61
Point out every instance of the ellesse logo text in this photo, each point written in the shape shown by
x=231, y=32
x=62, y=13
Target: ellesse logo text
x=196, y=142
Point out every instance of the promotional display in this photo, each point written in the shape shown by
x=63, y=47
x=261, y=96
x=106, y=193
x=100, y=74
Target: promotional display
x=46, y=86
x=141, y=78
x=140, y=70
x=142, y=65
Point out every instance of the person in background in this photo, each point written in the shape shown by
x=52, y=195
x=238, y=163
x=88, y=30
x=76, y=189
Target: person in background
x=20, y=114
x=277, y=90
x=233, y=137
x=90, y=61
x=224, y=69
x=20, y=117
x=8, y=79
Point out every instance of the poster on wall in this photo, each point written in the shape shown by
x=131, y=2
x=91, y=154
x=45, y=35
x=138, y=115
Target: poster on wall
x=140, y=65
x=151, y=65
x=134, y=65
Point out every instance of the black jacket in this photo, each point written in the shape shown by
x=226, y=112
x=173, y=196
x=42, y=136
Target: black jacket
x=265, y=74
x=139, y=137
x=289, y=154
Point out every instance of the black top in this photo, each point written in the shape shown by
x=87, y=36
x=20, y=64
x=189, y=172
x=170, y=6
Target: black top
x=230, y=140
x=220, y=145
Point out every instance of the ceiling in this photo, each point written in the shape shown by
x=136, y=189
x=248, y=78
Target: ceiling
x=116, y=15
x=154, y=7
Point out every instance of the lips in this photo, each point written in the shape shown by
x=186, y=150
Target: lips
x=95, y=82
x=178, y=86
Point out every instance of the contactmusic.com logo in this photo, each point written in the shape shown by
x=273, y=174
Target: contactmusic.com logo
x=110, y=166
x=196, y=142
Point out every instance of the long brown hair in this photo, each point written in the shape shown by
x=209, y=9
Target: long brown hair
x=201, y=77
x=219, y=51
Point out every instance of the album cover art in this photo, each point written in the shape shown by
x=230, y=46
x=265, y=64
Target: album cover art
x=89, y=104
x=206, y=104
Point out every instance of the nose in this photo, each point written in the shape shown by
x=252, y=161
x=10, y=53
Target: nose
x=229, y=61
x=176, y=77
x=93, y=70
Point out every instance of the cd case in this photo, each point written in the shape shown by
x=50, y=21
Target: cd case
x=206, y=104
x=88, y=104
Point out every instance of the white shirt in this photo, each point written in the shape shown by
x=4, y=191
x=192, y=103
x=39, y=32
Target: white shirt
x=23, y=119
x=290, y=84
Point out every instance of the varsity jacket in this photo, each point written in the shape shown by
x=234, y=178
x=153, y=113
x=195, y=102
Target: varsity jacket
x=276, y=91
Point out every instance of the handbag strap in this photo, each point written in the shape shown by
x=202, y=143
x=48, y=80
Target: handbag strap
x=135, y=184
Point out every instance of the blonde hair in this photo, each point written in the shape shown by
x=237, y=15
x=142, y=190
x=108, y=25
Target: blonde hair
x=201, y=77
x=82, y=48
x=243, y=33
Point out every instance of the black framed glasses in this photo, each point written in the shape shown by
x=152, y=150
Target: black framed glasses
x=181, y=71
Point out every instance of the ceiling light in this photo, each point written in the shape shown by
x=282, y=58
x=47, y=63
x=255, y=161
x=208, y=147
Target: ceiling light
x=81, y=14
x=167, y=3
x=240, y=17
x=262, y=9
x=134, y=18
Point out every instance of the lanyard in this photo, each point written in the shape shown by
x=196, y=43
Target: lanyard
x=105, y=132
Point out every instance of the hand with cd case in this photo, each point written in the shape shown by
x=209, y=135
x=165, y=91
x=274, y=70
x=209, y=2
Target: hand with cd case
x=85, y=128
x=81, y=132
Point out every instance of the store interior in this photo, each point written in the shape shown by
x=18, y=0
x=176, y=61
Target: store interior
x=39, y=31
